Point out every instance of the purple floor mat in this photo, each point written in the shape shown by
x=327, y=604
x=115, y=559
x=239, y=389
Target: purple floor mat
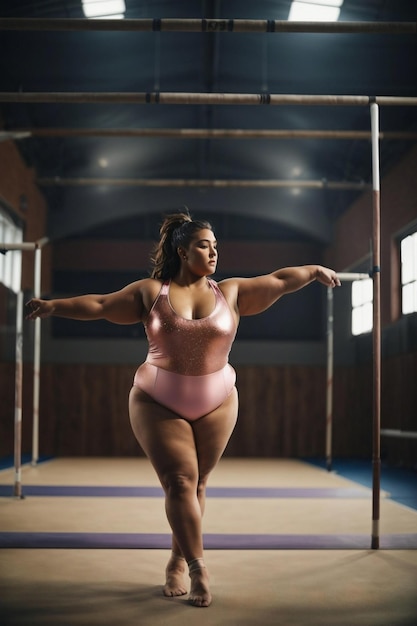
x=157, y=541
x=214, y=492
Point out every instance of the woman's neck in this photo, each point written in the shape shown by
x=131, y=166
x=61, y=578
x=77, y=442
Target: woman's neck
x=185, y=279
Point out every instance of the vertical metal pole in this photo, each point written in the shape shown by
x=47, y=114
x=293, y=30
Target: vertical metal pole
x=17, y=490
x=36, y=360
x=329, y=394
x=376, y=246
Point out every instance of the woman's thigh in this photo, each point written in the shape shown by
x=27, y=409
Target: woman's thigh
x=212, y=433
x=166, y=439
x=174, y=445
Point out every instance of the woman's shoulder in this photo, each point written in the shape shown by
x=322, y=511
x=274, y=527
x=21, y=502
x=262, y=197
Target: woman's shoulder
x=151, y=282
x=229, y=287
x=145, y=285
x=151, y=286
x=148, y=289
x=228, y=284
x=230, y=290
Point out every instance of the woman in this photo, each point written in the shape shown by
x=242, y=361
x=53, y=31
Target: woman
x=183, y=404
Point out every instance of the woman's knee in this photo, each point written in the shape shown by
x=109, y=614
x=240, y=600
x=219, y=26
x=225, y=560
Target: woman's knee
x=202, y=484
x=178, y=483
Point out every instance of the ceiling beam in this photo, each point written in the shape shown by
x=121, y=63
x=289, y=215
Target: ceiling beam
x=205, y=25
x=201, y=133
x=156, y=97
x=200, y=183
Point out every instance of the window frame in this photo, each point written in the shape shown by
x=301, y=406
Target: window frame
x=412, y=235
x=364, y=306
x=10, y=261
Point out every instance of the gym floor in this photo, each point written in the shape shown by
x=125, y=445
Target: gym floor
x=287, y=542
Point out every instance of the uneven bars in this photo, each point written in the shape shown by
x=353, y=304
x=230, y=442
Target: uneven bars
x=351, y=276
x=5, y=247
x=343, y=276
x=376, y=328
x=205, y=25
x=36, y=358
x=157, y=97
x=37, y=350
x=17, y=487
x=37, y=247
x=18, y=388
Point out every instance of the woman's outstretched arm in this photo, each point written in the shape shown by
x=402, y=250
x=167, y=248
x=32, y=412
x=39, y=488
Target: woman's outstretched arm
x=121, y=307
x=254, y=295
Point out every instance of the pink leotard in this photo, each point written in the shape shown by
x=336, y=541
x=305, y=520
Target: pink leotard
x=187, y=367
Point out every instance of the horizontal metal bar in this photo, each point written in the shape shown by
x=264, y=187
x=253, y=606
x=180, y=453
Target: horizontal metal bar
x=202, y=133
x=205, y=25
x=346, y=276
x=168, y=182
x=406, y=434
x=5, y=135
x=4, y=247
x=202, y=98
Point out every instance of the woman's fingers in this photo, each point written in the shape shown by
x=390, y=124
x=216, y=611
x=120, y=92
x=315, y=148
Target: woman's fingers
x=328, y=277
x=34, y=309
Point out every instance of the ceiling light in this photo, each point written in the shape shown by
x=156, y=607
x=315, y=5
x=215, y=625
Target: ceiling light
x=320, y=11
x=114, y=9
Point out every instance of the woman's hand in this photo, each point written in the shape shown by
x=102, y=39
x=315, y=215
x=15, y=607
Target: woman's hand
x=39, y=308
x=327, y=277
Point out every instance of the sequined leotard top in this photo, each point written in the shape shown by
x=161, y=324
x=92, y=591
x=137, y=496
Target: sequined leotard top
x=191, y=347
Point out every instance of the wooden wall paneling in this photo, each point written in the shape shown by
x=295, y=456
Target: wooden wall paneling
x=305, y=410
x=399, y=408
x=353, y=413
x=84, y=410
x=244, y=430
x=49, y=425
x=7, y=387
x=121, y=432
x=282, y=412
x=61, y=413
x=109, y=426
x=88, y=406
x=257, y=432
x=278, y=412
x=7, y=403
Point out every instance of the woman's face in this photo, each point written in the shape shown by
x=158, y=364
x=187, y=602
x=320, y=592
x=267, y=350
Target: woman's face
x=201, y=255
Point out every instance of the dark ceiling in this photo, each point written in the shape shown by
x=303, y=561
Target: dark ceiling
x=249, y=63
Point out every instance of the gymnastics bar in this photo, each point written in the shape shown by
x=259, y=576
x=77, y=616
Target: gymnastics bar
x=219, y=183
x=201, y=133
x=343, y=277
x=37, y=248
x=376, y=328
x=5, y=247
x=404, y=434
x=37, y=352
x=18, y=396
x=206, y=25
x=169, y=97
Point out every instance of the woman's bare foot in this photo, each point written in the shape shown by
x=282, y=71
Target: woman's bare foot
x=200, y=591
x=174, y=585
